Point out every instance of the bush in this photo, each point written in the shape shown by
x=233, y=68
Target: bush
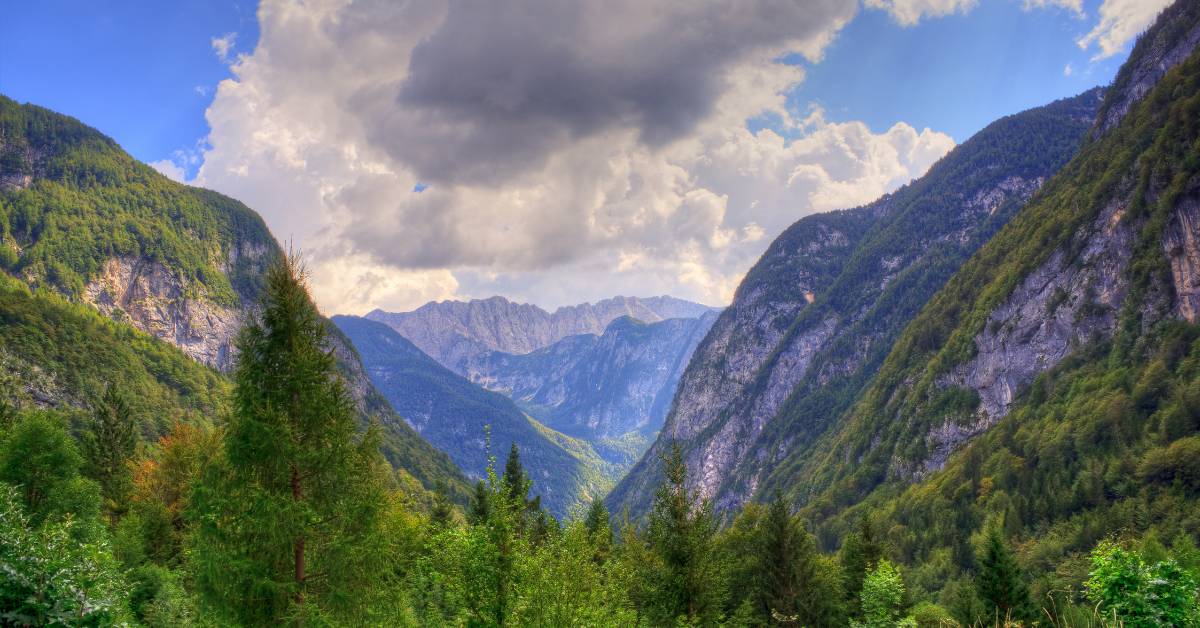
x=1138, y=595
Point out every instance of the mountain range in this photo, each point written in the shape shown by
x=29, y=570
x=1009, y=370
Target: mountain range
x=453, y=332
x=582, y=391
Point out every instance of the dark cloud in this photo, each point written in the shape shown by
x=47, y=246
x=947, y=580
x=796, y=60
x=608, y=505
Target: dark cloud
x=500, y=86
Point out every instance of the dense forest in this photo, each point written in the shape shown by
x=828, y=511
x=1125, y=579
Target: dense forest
x=287, y=514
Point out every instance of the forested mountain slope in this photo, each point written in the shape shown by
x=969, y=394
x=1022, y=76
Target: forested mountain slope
x=453, y=332
x=175, y=268
x=813, y=320
x=458, y=417
x=1053, y=383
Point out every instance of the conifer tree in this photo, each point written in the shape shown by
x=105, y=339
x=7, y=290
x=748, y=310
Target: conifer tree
x=289, y=522
x=109, y=446
x=1000, y=583
x=599, y=529
x=681, y=534
x=793, y=585
x=516, y=483
x=481, y=505
x=861, y=553
x=441, y=514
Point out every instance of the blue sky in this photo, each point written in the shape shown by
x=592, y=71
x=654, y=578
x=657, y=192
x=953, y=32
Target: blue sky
x=955, y=73
x=145, y=72
x=141, y=72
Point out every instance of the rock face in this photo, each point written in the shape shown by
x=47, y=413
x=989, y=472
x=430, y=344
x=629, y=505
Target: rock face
x=1182, y=246
x=453, y=332
x=599, y=387
x=1058, y=308
x=813, y=320
x=149, y=296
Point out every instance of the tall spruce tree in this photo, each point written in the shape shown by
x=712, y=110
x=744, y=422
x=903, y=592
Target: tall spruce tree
x=109, y=446
x=290, y=521
x=441, y=512
x=516, y=482
x=481, y=505
x=861, y=553
x=599, y=529
x=1000, y=583
x=681, y=534
x=794, y=588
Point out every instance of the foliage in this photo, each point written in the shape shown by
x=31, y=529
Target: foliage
x=1139, y=595
x=49, y=577
x=688, y=581
x=883, y=598
x=42, y=461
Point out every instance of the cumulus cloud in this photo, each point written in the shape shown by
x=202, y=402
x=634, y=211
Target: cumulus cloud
x=169, y=169
x=563, y=151
x=1120, y=22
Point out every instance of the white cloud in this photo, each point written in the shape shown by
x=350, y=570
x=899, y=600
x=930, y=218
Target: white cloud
x=169, y=169
x=612, y=158
x=1120, y=22
x=1075, y=6
x=1068, y=70
x=223, y=45
x=911, y=12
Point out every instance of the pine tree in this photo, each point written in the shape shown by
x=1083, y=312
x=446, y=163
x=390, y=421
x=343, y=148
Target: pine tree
x=682, y=536
x=532, y=522
x=441, y=514
x=599, y=529
x=481, y=505
x=516, y=483
x=109, y=446
x=793, y=584
x=1000, y=583
x=861, y=553
x=290, y=521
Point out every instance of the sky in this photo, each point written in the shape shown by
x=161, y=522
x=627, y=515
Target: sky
x=551, y=152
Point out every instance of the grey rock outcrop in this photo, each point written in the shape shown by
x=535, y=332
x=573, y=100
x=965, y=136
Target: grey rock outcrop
x=147, y=295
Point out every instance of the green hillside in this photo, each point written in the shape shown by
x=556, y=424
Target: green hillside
x=70, y=201
x=1105, y=443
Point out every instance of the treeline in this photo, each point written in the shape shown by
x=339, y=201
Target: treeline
x=287, y=514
